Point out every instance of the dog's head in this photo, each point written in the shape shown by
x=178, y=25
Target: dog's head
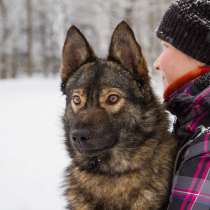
x=109, y=103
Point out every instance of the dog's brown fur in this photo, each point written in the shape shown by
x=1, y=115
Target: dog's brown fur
x=116, y=129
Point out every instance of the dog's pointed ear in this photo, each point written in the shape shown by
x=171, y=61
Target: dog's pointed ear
x=125, y=50
x=76, y=52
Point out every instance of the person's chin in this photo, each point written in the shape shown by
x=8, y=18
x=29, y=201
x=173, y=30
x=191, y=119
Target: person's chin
x=165, y=83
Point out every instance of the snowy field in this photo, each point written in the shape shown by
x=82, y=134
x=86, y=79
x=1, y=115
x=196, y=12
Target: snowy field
x=32, y=153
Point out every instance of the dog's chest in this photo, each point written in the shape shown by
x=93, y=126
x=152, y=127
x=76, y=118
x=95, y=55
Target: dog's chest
x=117, y=191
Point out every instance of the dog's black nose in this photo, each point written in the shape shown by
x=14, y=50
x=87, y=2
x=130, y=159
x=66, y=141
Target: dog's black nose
x=80, y=135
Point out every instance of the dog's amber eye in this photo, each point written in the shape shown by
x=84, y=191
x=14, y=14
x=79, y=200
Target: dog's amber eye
x=112, y=99
x=76, y=100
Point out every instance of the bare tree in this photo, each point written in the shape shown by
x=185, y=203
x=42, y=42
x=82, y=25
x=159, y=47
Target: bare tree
x=5, y=31
x=129, y=10
x=29, y=37
x=32, y=31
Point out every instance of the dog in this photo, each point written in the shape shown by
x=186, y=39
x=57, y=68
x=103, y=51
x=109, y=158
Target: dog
x=116, y=130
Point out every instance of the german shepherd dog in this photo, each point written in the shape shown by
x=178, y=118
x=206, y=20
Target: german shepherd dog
x=116, y=130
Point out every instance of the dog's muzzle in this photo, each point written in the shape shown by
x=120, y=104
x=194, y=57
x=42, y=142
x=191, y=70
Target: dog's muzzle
x=87, y=141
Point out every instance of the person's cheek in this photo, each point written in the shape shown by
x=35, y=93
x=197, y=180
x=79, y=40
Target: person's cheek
x=165, y=67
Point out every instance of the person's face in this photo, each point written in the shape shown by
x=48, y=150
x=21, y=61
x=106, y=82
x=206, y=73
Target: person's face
x=172, y=63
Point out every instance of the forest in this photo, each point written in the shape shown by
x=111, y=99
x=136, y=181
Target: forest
x=32, y=32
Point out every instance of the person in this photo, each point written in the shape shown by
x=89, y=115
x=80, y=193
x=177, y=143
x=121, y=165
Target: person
x=184, y=63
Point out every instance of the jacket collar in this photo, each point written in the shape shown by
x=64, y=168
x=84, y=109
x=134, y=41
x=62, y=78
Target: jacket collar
x=189, y=101
x=184, y=79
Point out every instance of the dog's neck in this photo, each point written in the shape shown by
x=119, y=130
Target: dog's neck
x=94, y=163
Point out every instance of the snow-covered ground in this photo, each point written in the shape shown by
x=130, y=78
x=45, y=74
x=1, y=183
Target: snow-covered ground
x=32, y=153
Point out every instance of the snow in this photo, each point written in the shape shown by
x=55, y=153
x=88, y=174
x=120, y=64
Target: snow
x=32, y=154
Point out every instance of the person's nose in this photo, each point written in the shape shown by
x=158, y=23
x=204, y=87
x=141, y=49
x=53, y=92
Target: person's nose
x=156, y=64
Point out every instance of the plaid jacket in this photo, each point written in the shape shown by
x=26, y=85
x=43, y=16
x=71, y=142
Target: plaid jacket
x=191, y=182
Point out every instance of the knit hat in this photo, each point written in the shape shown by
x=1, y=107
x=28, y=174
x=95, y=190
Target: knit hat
x=186, y=26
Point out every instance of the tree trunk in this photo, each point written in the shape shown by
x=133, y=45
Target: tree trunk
x=3, y=59
x=29, y=66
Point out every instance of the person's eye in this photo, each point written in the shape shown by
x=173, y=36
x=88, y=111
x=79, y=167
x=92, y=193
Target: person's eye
x=165, y=45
